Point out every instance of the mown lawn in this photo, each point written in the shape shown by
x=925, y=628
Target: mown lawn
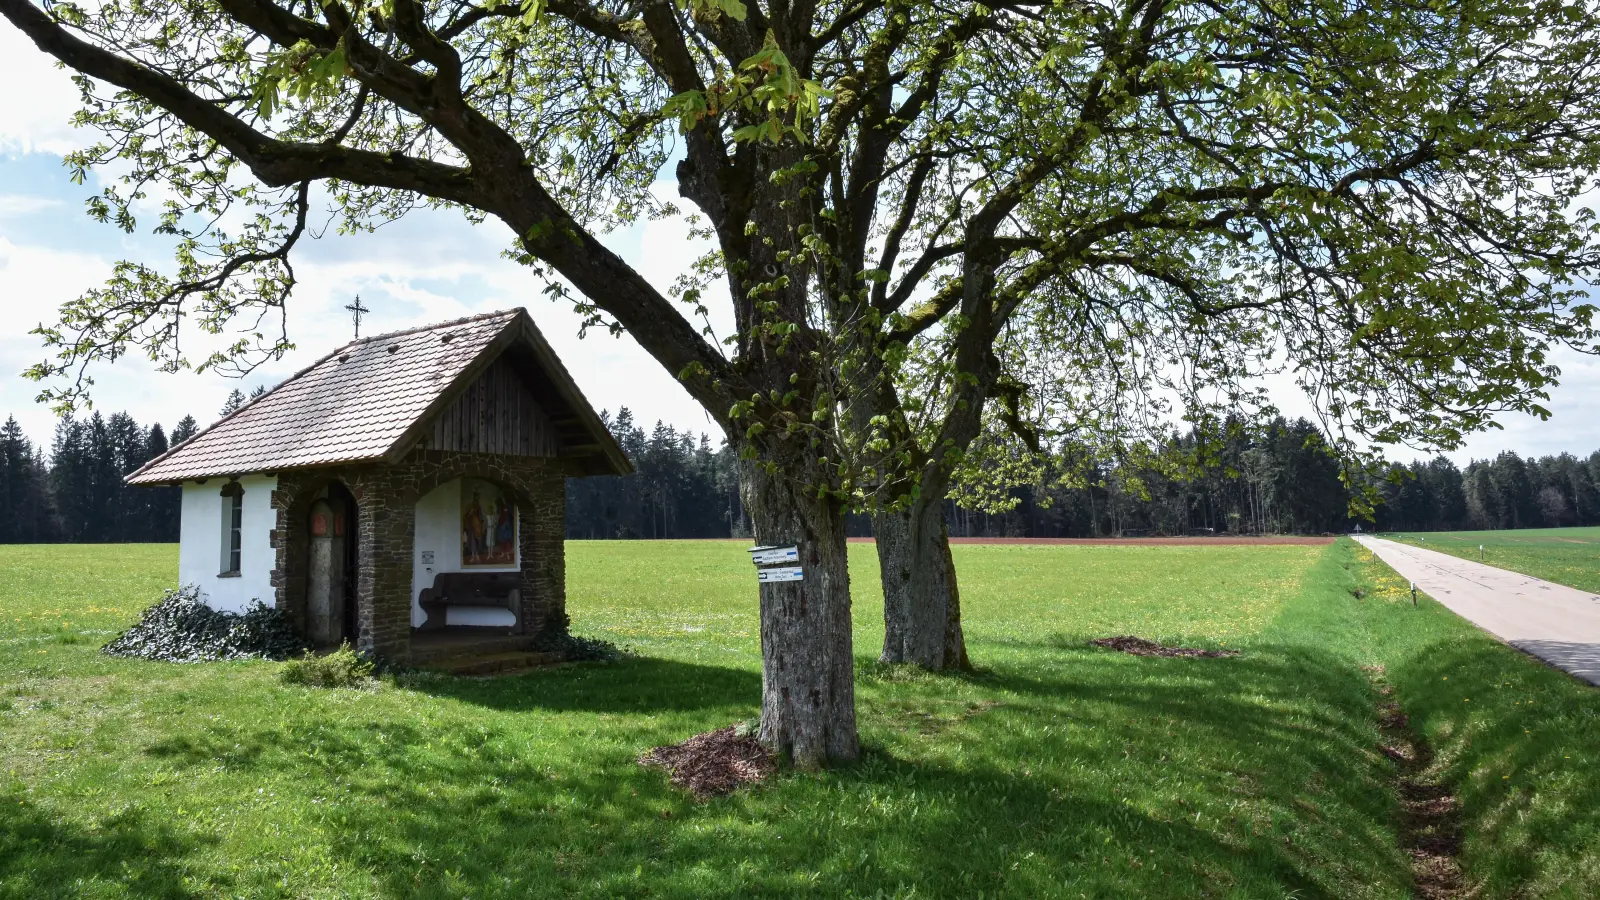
x=1569, y=556
x=1060, y=771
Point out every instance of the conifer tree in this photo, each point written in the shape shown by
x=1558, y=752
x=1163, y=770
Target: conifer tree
x=24, y=501
x=232, y=403
x=162, y=504
x=184, y=430
x=71, y=476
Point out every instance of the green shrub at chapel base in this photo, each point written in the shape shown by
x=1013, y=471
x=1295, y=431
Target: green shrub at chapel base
x=343, y=667
x=182, y=628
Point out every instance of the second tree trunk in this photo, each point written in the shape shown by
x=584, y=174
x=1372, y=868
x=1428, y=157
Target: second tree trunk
x=921, y=602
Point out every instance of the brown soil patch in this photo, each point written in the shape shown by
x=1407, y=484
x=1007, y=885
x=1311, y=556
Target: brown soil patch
x=1230, y=540
x=713, y=764
x=1138, y=646
x=1430, y=830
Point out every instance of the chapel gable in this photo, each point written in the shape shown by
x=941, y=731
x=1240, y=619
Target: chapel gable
x=496, y=413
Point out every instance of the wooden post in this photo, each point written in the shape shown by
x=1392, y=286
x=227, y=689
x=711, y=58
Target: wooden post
x=1413, y=594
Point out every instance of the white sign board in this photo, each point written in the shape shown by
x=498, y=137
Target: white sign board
x=771, y=556
x=781, y=573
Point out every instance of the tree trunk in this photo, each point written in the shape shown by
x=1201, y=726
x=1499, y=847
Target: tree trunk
x=921, y=601
x=921, y=606
x=808, y=711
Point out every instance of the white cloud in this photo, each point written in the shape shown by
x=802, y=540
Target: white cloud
x=1574, y=424
x=1573, y=427
x=16, y=206
x=36, y=107
x=666, y=250
x=33, y=281
x=29, y=274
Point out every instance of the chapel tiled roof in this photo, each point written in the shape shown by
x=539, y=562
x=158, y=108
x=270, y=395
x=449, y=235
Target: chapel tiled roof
x=358, y=403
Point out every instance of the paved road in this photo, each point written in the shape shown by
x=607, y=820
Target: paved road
x=1558, y=624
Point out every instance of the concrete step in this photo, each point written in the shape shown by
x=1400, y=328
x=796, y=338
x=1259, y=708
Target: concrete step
x=425, y=652
x=493, y=663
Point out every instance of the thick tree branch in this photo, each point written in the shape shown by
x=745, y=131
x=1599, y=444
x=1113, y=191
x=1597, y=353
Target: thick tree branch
x=276, y=163
x=520, y=200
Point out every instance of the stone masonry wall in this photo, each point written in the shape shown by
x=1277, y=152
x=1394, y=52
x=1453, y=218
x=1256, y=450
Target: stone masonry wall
x=386, y=498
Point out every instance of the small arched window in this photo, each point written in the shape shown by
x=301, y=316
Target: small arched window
x=232, y=527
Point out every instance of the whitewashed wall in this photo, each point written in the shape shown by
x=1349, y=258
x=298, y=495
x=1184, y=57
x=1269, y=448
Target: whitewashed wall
x=200, y=547
x=439, y=530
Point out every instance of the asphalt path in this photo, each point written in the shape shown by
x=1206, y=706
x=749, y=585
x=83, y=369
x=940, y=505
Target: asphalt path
x=1556, y=623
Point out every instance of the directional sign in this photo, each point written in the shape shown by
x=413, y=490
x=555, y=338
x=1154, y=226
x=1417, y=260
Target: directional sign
x=771, y=556
x=781, y=573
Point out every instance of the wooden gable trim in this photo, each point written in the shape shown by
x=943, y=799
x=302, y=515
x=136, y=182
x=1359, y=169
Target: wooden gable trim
x=499, y=413
x=578, y=410
x=577, y=404
x=473, y=371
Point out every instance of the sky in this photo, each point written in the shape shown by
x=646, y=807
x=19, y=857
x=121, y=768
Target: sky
x=429, y=267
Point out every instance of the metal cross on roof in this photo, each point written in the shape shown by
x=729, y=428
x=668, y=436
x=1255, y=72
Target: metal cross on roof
x=356, y=309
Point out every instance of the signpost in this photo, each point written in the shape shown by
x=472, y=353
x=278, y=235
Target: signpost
x=777, y=564
x=773, y=556
x=780, y=573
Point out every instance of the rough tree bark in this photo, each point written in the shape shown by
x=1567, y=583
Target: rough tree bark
x=921, y=599
x=808, y=711
x=921, y=602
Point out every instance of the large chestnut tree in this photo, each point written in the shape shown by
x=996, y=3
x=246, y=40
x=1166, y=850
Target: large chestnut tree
x=902, y=195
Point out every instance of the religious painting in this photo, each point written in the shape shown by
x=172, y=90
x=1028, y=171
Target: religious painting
x=488, y=525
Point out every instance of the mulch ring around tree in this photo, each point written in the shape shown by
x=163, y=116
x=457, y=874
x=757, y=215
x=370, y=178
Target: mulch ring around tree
x=714, y=764
x=1138, y=646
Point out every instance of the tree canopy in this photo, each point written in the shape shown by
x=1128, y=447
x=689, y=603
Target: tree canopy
x=1370, y=183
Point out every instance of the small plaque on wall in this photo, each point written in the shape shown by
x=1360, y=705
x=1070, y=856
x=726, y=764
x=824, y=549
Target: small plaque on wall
x=427, y=557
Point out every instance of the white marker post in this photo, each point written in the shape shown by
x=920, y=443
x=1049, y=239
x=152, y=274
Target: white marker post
x=775, y=565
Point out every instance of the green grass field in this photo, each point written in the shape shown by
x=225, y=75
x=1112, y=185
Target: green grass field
x=1060, y=771
x=1568, y=556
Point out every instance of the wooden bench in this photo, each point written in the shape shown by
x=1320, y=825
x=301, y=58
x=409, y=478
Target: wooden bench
x=502, y=590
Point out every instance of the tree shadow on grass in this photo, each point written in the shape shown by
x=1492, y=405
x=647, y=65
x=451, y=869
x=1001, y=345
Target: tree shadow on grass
x=668, y=700
x=974, y=831
x=1307, y=711
x=628, y=685
x=1060, y=783
x=1330, y=697
x=126, y=853
x=1520, y=744
x=1053, y=779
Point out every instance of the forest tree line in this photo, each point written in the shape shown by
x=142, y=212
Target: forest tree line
x=1274, y=477
x=73, y=493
